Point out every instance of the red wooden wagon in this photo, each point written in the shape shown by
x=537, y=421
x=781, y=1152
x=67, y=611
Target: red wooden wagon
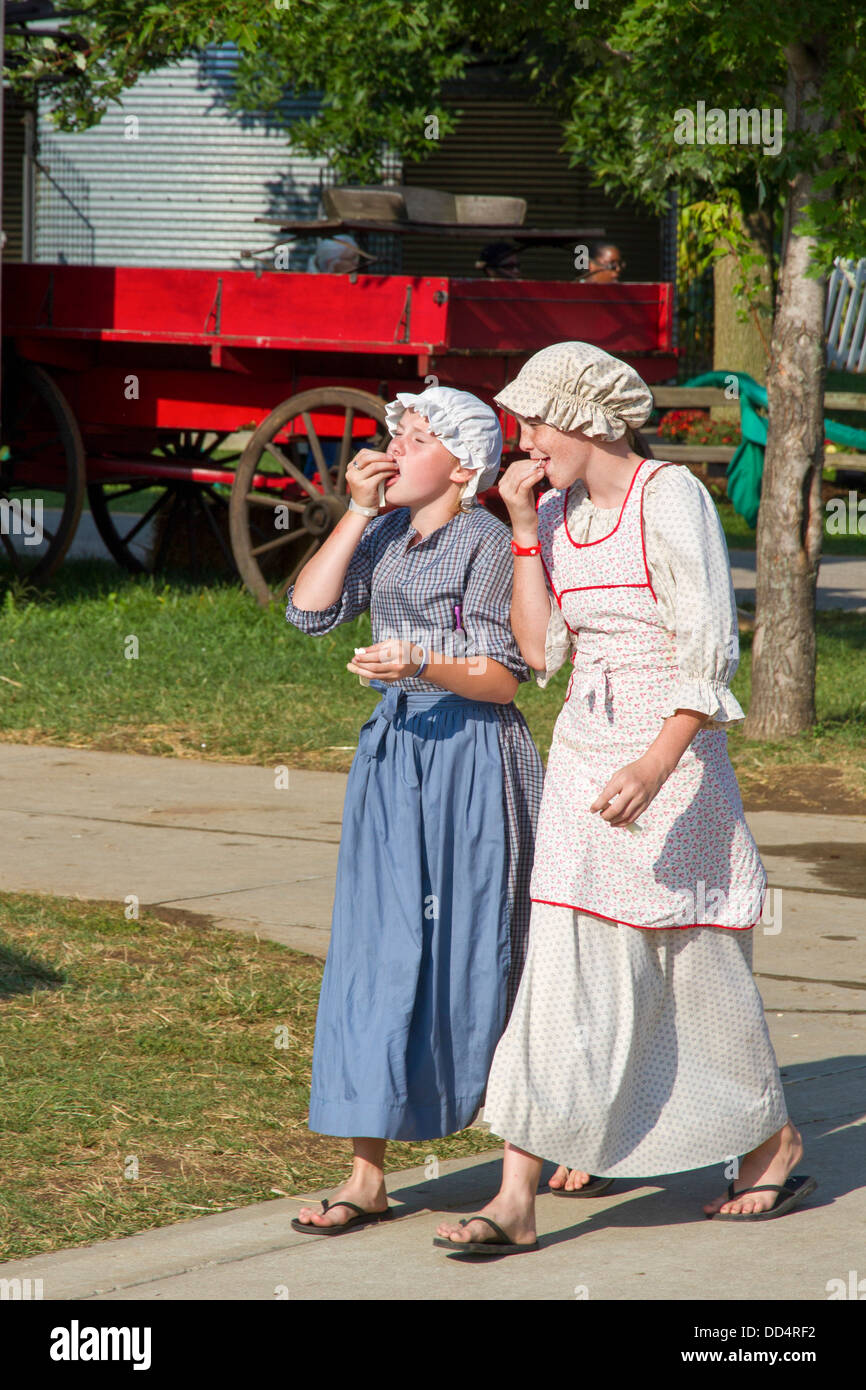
x=131, y=381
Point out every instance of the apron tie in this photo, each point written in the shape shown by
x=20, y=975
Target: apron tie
x=396, y=704
x=386, y=712
x=592, y=677
x=594, y=684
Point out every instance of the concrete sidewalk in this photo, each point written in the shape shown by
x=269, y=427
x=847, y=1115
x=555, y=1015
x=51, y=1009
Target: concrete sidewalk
x=644, y=1239
x=221, y=840
x=212, y=838
x=841, y=580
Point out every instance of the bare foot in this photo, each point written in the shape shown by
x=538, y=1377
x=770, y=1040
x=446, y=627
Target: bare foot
x=569, y=1179
x=369, y=1197
x=772, y=1162
x=517, y=1221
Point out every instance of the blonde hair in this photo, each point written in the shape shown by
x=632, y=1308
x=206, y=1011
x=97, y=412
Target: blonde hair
x=460, y=507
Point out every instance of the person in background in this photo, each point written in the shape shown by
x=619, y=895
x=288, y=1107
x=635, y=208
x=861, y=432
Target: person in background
x=338, y=255
x=500, y=260
x=606, y=264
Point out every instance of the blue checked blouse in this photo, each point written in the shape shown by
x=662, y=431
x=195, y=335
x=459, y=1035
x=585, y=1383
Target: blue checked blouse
x=411, y=590
x=411, y=593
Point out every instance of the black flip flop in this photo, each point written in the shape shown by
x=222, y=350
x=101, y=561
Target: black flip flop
x=502, y=1245
x=789, y=1195
x=364, y=1218
x=594, y=1188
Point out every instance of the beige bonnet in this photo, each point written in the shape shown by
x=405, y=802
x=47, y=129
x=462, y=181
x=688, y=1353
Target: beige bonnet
x=576, y=386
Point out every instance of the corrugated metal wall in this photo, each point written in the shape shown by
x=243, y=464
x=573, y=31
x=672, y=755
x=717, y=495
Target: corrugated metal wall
x=14, y=115
x=186, y=191
x=512, y=147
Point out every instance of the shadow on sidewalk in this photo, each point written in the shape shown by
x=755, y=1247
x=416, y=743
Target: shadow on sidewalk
x=822, y=1102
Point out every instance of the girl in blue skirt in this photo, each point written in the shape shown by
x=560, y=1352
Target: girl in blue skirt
x=431, y=910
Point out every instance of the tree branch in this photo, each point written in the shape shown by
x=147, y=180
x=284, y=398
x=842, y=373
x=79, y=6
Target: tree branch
x=615, y=52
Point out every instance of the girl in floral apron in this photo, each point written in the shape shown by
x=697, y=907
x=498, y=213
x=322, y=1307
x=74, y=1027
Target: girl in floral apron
x=637, y=1044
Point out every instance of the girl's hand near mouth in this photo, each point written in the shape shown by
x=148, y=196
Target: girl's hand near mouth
x=367, y=470
x=516, y=490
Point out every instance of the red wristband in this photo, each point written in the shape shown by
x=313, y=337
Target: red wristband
x=525, y=549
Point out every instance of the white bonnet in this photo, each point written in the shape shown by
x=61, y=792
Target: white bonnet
x=467, y=427
x=576, y=386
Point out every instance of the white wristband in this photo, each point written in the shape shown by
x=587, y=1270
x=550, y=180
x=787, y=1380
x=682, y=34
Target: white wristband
x=363, y=511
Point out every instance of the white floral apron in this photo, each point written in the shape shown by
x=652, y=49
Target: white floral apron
x=692, y=861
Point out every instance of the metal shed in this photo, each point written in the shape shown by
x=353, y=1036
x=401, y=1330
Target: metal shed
x=170, y=177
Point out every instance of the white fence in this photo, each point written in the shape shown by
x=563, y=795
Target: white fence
x=845, y=320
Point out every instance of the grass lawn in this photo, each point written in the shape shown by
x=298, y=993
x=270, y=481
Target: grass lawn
x=740, y=535
x=154, y=1043
x=218, y=677
x=154, y=1040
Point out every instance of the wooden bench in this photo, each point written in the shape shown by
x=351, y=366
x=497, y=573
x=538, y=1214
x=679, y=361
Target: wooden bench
x=704, y=457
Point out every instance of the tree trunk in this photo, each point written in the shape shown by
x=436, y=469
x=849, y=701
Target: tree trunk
x=790, y=520
x=742, y=345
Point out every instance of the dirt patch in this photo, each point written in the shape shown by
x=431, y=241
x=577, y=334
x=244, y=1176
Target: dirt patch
x=180, y=917
x=813, y=787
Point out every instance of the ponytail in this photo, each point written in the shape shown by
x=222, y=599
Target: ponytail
x=637, y=443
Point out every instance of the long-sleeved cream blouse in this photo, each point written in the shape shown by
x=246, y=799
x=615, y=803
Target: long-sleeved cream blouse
x=688, y=562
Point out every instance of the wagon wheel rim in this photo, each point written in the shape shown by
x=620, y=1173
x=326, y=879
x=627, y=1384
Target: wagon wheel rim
x=57, y=458
x=179, y=501
x=272, y=547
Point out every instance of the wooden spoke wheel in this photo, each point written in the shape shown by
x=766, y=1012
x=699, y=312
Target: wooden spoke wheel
x=290, y=487
x=148, y=520
x=42, y=472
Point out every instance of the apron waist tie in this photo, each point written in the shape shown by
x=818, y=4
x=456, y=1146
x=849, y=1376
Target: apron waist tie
x=397, y=704
x=593, y=683
x=592, y=679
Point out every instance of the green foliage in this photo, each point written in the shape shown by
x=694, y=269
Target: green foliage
x=378, y=67
x=737, y=57
x=709, y=230
x=104, y=47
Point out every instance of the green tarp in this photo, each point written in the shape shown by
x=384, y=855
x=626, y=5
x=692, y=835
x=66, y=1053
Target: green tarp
x=746, y=468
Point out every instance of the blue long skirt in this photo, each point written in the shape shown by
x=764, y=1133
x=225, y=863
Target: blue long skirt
x=413, y=998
